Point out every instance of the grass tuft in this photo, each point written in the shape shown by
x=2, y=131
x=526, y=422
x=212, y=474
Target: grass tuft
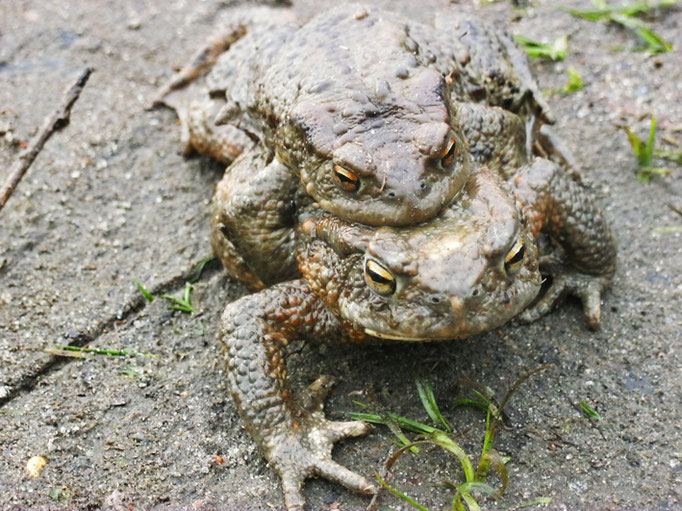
x=644, y=153
x=574, y=83
x=475, y=476
x=555, y=51
x=64, y=349
x=181, y=304
x=425, y=390
x=628, y=16
x=198, y=269
x=589, y=412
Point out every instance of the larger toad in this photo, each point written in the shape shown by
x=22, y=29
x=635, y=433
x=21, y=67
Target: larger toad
x=473, y=267
x=467, y=270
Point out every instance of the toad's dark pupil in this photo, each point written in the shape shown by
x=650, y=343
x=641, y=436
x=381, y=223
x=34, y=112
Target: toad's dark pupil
x=379, y=279
x=518, y=257
x=449, y=156
x=346, y=179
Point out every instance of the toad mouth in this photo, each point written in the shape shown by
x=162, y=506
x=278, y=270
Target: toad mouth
x=395, y=337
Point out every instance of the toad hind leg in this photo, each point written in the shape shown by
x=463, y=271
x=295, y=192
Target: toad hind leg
x=295, y=436
x=555, y=204
x=241, y=22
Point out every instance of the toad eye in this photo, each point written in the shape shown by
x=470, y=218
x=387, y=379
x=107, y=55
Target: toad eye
x=346, y=179
x=379, y=278
x=514, y=258
x=450, y=153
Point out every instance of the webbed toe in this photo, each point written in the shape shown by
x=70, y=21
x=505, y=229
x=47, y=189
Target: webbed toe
x=588, y=288
x=302, y=449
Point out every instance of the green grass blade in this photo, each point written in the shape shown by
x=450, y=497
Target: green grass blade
x=149, y=297
x=394, y=422
x=181, y=304
x=555, y=51
x=597, y=14
x=668, y=229
x=673, y=156
x=478, y=486
x=654, y=43
x=403, y=422
x=457, y=503
x=470, y=501
x=575, y=82
x=499, y=464
x=461, y=401
x=589, y=411
x=425, y=391
x=605, y=12
x=644, y=174
x=649, y=147
x=625, y=15
x=116, y=353
x=486, y=399
x=399, y=494
x=198, y=269
x=636, y=144
x=443, y=439
x=535, y=502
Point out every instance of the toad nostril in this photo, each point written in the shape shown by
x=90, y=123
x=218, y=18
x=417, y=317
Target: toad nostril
x=423, y=188
x=391, y=195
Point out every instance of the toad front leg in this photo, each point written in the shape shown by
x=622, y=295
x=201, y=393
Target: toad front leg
x=294, y=435
x=253, y=214
x=555, y=204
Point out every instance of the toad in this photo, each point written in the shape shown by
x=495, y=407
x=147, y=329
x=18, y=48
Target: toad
x=375, y=117
x=402, y=172
x=472, y=268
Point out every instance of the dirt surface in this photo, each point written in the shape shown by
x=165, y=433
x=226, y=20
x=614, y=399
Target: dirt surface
x=110, y=199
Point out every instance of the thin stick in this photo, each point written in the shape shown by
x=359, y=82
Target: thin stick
x=54, y=122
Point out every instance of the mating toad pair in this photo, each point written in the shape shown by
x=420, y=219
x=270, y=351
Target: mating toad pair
x=405, y=171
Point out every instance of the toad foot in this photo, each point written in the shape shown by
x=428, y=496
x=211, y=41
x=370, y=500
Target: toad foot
x=588, y=288
x=301, y=448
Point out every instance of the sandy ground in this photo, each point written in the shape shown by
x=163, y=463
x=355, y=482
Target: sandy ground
x=110, y=199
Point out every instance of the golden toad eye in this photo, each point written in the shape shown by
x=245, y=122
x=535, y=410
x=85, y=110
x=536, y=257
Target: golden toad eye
x=346, y=179
x=379, y=278
x=450, y=153
x=514, y=258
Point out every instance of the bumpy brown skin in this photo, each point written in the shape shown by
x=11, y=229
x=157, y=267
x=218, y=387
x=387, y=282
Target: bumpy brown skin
x=453, y=279
x=254, y=213
x=373, y=93
x=382, y=98
x=584, y=257
x=294, y=435
x=360, y=88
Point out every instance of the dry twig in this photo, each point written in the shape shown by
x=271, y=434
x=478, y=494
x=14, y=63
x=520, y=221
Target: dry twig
x=54, y=122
